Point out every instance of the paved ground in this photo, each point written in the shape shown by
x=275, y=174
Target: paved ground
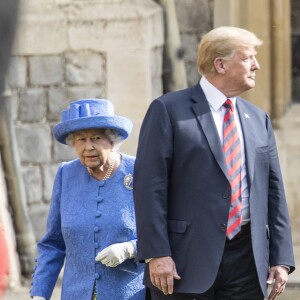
x=291, y=293
x=22, y=294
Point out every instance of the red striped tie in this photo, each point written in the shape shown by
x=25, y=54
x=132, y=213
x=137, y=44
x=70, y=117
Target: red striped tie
x=232, y=153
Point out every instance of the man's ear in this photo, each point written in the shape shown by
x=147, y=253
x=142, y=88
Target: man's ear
x=219, y=65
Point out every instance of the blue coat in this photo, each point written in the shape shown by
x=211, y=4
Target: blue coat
x=87, y=215
x=183, y=199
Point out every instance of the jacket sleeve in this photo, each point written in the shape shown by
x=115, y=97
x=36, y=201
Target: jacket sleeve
x=150, y=191
x=281, y=247
x=51, y=247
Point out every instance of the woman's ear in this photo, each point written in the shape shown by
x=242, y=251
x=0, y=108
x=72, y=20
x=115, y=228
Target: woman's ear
x=219, y=65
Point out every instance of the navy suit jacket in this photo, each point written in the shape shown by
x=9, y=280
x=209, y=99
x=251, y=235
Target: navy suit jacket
x=182, y=193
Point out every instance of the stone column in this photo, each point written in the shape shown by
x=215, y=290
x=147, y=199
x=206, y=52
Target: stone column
x=240, y=14
x=281, y=57
x=270, y=21
x=174, y=75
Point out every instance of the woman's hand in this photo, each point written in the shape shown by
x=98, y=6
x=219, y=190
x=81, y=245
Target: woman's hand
x=38, y=298
x=115, y=254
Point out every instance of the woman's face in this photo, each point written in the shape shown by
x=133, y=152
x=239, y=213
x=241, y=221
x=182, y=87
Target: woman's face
x=92, y=147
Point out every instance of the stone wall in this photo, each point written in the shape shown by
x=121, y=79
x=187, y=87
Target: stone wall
x=69, y=50
x=195, y=18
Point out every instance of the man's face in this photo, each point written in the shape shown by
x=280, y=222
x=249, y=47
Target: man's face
x=240, y=71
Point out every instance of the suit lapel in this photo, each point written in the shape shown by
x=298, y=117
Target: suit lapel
x=249, y=139
x=204, y=116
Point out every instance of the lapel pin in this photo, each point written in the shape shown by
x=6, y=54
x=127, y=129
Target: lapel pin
x=246, y=116
x=128, y=182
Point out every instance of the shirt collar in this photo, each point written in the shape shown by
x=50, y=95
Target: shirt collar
x=214, y=97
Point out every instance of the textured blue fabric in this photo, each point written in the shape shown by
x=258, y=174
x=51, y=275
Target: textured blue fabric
x=87, y=215
x=91, y=113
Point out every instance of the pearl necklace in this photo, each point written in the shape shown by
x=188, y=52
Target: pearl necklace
x=109, y=170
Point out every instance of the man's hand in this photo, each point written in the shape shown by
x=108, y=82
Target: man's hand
x=162, y=273
x=280, y=275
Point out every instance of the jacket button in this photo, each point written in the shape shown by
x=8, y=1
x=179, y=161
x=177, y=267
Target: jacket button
x=101, y=184
x=223, y=227
x=225, y=195
x=97, y=275
x=96, y=229
x=98, y=213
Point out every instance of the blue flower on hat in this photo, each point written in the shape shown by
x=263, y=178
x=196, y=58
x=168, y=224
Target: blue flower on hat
x=90, y=114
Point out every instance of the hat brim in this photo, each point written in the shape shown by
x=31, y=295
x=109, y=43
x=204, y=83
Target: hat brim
x=120, y=124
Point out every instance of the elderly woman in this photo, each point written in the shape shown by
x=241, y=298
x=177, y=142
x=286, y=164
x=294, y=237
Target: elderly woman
x=91, y=223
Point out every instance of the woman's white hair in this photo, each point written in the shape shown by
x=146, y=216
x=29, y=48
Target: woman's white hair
x=112, y=135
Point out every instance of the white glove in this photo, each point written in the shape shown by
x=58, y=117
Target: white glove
x=115, y=254
x=38, y=298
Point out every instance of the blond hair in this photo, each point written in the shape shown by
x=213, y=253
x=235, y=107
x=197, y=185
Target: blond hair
x=223, y=42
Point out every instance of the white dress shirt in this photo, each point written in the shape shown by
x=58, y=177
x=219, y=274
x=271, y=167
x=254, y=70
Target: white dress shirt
x=216, y=100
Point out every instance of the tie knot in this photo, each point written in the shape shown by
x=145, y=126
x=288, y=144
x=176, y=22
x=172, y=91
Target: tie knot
x=228, y=104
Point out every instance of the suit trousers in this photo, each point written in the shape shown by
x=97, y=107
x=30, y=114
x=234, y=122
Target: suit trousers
x=237, y=276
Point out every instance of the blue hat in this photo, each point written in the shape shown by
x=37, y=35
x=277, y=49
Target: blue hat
x=90, y=114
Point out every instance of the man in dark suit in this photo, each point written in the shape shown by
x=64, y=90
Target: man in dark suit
x=212, y=218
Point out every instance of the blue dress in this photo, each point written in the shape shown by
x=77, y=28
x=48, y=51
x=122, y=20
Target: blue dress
x=86, y=215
